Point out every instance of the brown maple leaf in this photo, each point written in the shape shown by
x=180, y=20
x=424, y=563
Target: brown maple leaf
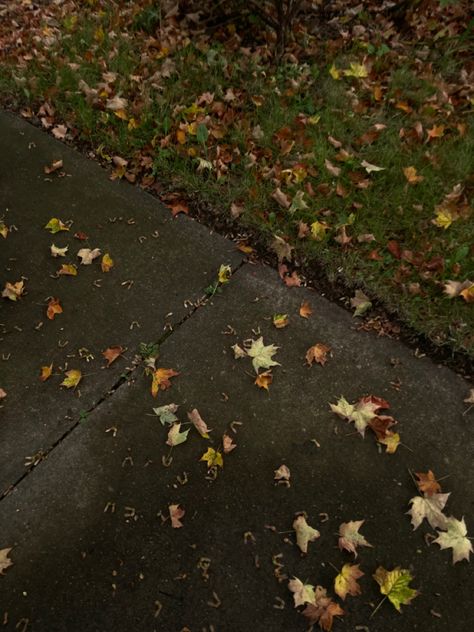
x=317, y=353
x=54, y=307
x=112, y=353
x=427, y=483
x=323, y=610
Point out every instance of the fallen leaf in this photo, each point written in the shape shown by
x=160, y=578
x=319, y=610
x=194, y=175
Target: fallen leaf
x=282, y=474
x=280, y=320
x=112, y=353
x=55, y=225
x=178, y=207
x=224, y=274
x=322, y=610
x=346, y=581
x=175, y=437
x=228, y=444
x=46, y=372
x=107, y=263
x=176, y=513
x=317, y=353
x=429, y=507
x=54, y=166
x=5, y=561
x=370, y=168
x=305, y=310
x=468, y=293
x=427, y=482
x=54, y=307
x=166, y=413
x=87, y=255
x=469, y=399
x=282, y=249
x=350, y=538
x=81, y=236
x=333, y=170
x=280, y=197
x=58, y=252
x=443, y=218
x=363, y=411
x=412, y=176
x=59, y=132
x=437, y=131
x=72, y=379
x=394, y=585
x=304, y=533
x=334, y=72
x=356, y=70
x=318, y=230
x=263, y=380
x=391, y=441
x=116, y=103
x=262, y=355
x=68, y=269
x=199, y=423
x=455, y=537
x=361, y=303
x=212, y=458
x=161, y=380
x=3, y=394
x=238, y=352
x=302, y=593
x=3, y=230
x=13, y=291
x=455, y=288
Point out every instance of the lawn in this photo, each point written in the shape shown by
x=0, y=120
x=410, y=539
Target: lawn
x=354, y=153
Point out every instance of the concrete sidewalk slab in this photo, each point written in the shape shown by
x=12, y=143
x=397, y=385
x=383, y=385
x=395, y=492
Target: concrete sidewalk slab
x=161, y=268
x=91, y=552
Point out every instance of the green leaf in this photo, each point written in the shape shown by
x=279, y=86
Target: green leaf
x=394, y=585
x=166, y=413
x=202, y=133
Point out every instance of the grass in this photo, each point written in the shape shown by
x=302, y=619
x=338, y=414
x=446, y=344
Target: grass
x=266, y=127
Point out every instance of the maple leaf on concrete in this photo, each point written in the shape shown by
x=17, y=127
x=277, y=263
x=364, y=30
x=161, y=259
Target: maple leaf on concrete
x=199, y=423
x=161, y=380
x=322, y=610
x=350, y=538
x=166, y=413
x=302, y=593
x=5, y=561
x=228, y=444
x=55, y=225
x=346, y=581
x=317, y=353
x=263, y=380
x=212, y=458
x=282, y=474
x=112, y=353
x=54, y=307
x=429, y=507
x=362, y=412
x=176, y=513
x=280, y=320
x=87, y=255
x=394, y=585
x=262, y=354
x=46, y=372
x=427, y=483
x=13, y=291
x=175, y=437
x=107, y=263
x=304, y=533
x=72, y=379
x=305, y=310
x=58, y=252
x=455, y=537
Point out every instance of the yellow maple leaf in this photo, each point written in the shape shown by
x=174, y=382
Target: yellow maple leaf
x=161, y=380
x=356, y=70
x=391, y=441
x=68, y=269
x=318, y=230
x=224, y=274
x=443, y=219
x=46, y=372
x=334, y=72
x=3, y=230
x=412, y=176
x=72, y=379
x=212, y=458
x=107, y=263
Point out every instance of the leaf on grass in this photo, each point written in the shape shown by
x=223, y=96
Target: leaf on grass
x=107, y=263
x=161, y=380
x=72, y=379
x=228, y=444
x=175, y=437
x=5, y=561
x=13, y=291
x=212, y=458
x=304, y=533
x=430, y=508
x=176, y=513
x=457, y=288
x=280, y=320
x=362, y=412
x=427, y=482
x=55, y=225
x=443, y=218
x=54, y=308
x=68, y=269
x=87, y=255
x=317, y=353
x=112, y=353
x=282, y=248
x=305, y=310
x=262, y=355
x=322, y=610
x=263, y=380
x=46, y=372
x=361, y=303
x=166, y=413
x=280, y=197
x=356, y=70
x=333, y=170
x=346, y=581
x=412, y=176
x=199, y=423
x=350, y=538
x=370, y=168
x=394, y=585
x=455, y=537
x=58, y=252
x=302, y=593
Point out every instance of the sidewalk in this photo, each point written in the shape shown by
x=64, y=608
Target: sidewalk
x=91, y=548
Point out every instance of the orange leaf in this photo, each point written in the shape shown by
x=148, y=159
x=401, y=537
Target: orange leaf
x=264, y=380
x=427, y=483
x=437, y=131
x=161, y=380
x=46, y=372
x=68, y=269
x=181, y=136
x=317, y=353
x=54, y=308
x=305, y=310
x=412, y=176
x=178, y=207
x=112, y=353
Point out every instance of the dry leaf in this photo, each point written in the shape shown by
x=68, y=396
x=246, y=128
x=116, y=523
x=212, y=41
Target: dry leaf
x=175, y=437
x=305, y=310
x=13, y=291
x=317, y=353
x=350, y=538
x=58, y=252
x=322, y=610
x=72, y=379
x=54, y=166
x=112, y=353
x=282, y=474
x=304, y=533
x=412, y=176
x=161, y=380
x=107, y=263
x=280, y=320
x=346, y=582
x=54, y=307
x=199, y=423
x=263, y=380
x=176, y=513
x=68, y=269
x=87, y=255
x=46, y=372
x=5, y=561
x=228, y=444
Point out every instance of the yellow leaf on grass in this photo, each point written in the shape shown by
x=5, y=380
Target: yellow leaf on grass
x=318, y=230
x=107, y=263
x=72, y=379
x=412, y=176
x=443, y=218
x=181, y=136
x=356, y=70
x=212, y=458
x=334, y=72
x=46, y=372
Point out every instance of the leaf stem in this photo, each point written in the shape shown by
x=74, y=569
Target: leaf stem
x=374, y=611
